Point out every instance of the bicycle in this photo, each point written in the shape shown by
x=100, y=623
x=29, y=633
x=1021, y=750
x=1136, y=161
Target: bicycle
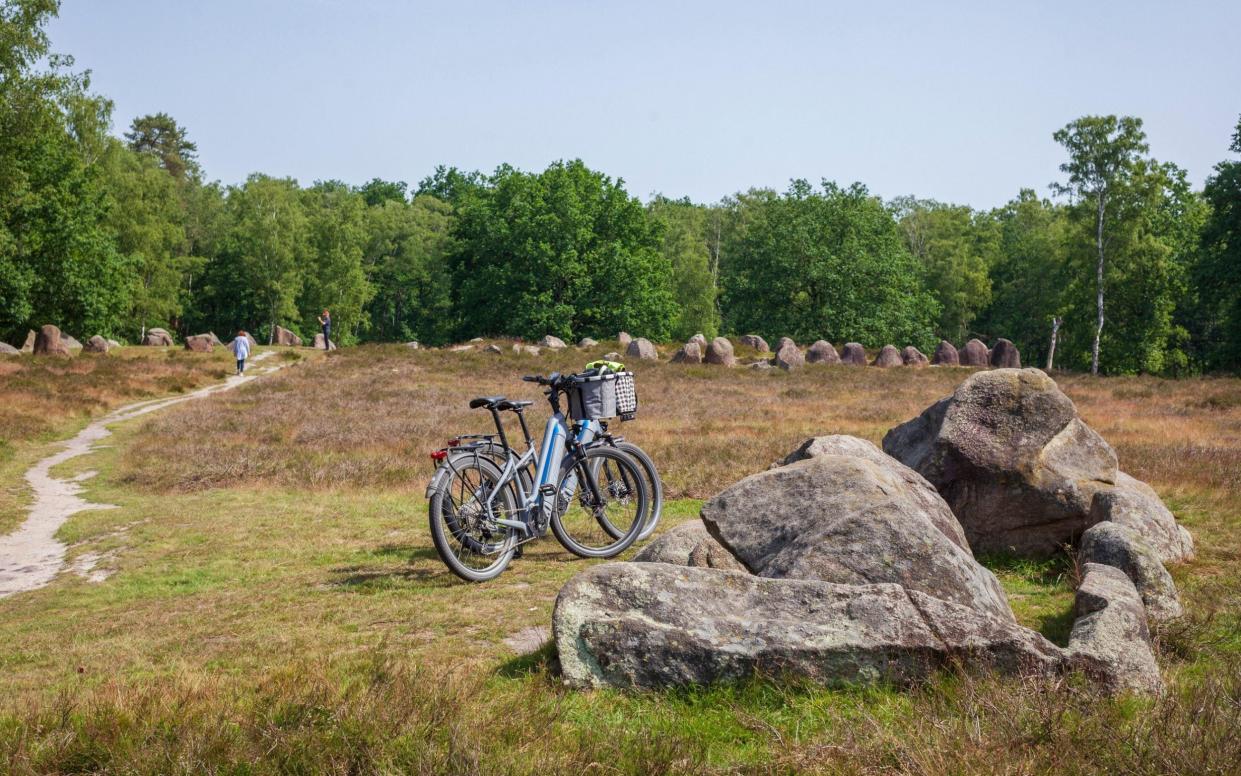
x=482, y=511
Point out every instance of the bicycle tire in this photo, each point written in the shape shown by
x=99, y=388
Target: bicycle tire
x=622, y=484
x=655, y=487
x=443, y=512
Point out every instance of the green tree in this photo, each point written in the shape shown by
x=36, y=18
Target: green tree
x=160, y=136
x=407, y=262
x=1028, y=275
x=333, y=275
x=1104, y=152
x=377, y=191
x=256, y=274
x=685, y=226
x=829, y=263
x=566, y=252
x=1217, y=276
x=956, y=248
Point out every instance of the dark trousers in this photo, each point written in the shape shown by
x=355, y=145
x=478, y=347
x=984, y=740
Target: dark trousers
x=327, y=337
x=241, y=365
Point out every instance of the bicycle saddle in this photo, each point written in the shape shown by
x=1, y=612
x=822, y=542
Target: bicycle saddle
x=485, y=401
x=513, y=404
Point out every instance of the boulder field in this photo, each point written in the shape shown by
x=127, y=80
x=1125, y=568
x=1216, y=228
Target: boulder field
x=845, y=563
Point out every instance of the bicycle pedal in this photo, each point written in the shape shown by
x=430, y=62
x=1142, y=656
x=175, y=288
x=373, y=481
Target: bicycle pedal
x=547, y=490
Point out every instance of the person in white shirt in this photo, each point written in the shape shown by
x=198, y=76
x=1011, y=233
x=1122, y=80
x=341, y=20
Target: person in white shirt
x=241, y=350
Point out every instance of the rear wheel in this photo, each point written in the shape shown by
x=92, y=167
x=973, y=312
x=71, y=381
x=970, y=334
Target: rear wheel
x=654, y=487
x=463, y=528
x=599, y=494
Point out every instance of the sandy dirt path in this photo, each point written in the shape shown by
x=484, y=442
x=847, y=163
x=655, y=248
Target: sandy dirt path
x=31, y=556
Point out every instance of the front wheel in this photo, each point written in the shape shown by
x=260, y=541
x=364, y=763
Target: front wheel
x=600, y=492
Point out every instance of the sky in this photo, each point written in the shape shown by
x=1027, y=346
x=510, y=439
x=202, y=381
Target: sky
x=955, y=101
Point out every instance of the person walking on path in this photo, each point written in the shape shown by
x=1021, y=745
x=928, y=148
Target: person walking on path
x=241, y=350
x=325, y=321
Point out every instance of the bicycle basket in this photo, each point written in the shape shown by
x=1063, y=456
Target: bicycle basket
x=601, y=395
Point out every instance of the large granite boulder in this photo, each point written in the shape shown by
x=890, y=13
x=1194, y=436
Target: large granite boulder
x=1110, y=641
x=319, y=340
x=624, y=339
x=47, y=342
x=199, y=343
x=789, y=357
x=1005, y=355
x=643, y=349
x=975, y=353
x=888, y=356
x=945, y=355
x=822, y=352
x=850, y=519
x=28, y=346
x=8, y=350
x=587, y=342
x=689, y=353
x=689, y=544
x=720, y=351
x=1136, y=505
x=783, y=341
x=756, y=342
x=911, y=356
x=853, y=354
x=1010, y=456
x=96, y=344
x=654, y=625
x=701, y=339
x=1113, y=544
x=282, y=336
x=157, y=338
x=70, y=342
x=552, y=343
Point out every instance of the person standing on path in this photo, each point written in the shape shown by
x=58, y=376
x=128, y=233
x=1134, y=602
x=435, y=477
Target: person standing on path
x=325, y=321
x=241, y=350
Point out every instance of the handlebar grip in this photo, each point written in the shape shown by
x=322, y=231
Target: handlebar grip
x=532, y=378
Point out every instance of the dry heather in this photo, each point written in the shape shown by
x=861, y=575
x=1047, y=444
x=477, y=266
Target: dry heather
x=367, y=417
x=40, y=394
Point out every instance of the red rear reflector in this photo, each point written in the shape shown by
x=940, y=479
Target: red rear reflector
x=454, y=442
x=439, y=455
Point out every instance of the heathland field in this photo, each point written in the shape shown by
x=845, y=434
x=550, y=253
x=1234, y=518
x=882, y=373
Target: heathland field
x=273, y=602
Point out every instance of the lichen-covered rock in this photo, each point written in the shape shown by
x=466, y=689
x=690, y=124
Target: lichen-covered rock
x=642, y=348
x=96, y=344
x=689, y=544
x=1010, y=456
x=1005, y=355
x=945, y=355
x=48, y=343
x=1110, y=640
x=911, y=356
x=198, y=343
x=784, y=342
x=852, y=520
x=157, y=338
x=720, y=352
x=822, y=352
x=975, y=353
x=853, y=354
x=929, y=500
x=319, y=340
x=655, y=625
x=789, y=357
x=756, y=342
x=8, y=350
x=1136, y=505
x=700, y=339
x=689, y=353
x=552, y=343
x=888, y=356
x=282, y=336
x=587, y=342
x=1113, y=544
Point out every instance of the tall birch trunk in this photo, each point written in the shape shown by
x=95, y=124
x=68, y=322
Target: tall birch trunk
x=1098, y=332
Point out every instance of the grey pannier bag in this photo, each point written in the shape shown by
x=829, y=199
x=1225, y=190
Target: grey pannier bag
x=601, y=394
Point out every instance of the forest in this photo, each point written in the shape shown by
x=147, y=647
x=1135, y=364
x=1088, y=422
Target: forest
x=112, y=233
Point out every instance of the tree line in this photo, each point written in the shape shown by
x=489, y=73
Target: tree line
x=1133, y=269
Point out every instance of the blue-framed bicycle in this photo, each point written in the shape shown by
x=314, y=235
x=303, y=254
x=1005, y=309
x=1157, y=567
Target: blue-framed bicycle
x=482, y=508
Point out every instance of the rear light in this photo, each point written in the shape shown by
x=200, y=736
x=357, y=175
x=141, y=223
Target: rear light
x=454, y=442
x=439, y=455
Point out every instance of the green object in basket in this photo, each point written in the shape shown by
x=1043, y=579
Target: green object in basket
x=611, y=366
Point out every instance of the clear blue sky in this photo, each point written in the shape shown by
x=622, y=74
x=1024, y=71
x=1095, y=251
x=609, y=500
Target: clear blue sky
x=955, y=101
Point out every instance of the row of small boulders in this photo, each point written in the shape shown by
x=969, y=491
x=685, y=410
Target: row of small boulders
x=976, y=353
x=844, y=564
x=789, y=356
